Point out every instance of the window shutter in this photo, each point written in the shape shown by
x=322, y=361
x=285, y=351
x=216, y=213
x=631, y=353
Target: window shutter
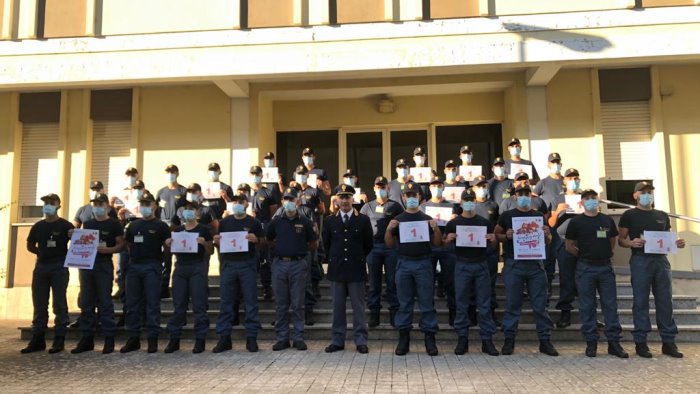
x=626, y=130
x=38, y=164
x=110, y=153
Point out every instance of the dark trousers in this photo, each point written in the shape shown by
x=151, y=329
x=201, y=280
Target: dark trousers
x=313, y=274
x=239, y=277
x=446, y=277
x=265, y=265
x=473, y=278
x=167, y=270
x=382, y=260
x=356, y=292
x=189, y=282
x=601, y=278
x=122, y=268
x=415, y=282
x=567, y=278
x=289, y=283
x=652, y=272
x=96, y=285
x=517, y=274
x=492, y=261
x=50, y=278
x=143, y=281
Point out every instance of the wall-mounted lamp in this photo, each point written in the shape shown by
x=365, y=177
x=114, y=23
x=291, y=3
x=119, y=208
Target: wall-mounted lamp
x=386, y=105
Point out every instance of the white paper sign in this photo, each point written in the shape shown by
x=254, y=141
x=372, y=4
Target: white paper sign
x=528, y=238
x=471, y=236
x=83, y=249
x=660, y=242
x=410, y=232
x=421, y=174
x=184, y=242
x=357, y=197
x=229, y=207
x=211, y=190
x=270, y=175
x=233, y=242
x=574, y=203
x=516, y=168
x=453, y=194
x=470, y=172
x=312, y=180
x=441, y=214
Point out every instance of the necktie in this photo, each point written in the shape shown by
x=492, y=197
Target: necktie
x=345, y=218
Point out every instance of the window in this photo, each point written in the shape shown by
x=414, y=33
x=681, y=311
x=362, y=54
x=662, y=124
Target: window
x=110, y=154
x=626, y=128
x=38, y=168
x=365, y=157
x=325, y=146
x=484, y=140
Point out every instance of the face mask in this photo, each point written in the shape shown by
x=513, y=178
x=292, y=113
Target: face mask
x=436, y=191
x=555, y=169
x=290, y=206
x=646, y=199
x=238, y=209
x=146, y=211
x=308, y=160
x=590, y=205
x=300, y=178
x=268, y=163
x=255, y=179
x=499, y=171
x=466, y=158
x=451, y=175
x=524, y=201
x=419, y=160
x=402, y=172
x=139, y=193
x=49, y=210
x=468, y=206
x=93, y=193
x=349, y=181
x=412, y=202
x=192, y=197
x=381, y=193
x=213, y=176
x=131, y=180
x=572, y=185
x=98, y=211
x=188, y=214
x=480, y=193
x=170, y=177
x=514, y=151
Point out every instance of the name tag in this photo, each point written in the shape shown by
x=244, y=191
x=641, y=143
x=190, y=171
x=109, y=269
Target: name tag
x=138, y=239
x=602, y=234
x=379, y=209
x=51, y=243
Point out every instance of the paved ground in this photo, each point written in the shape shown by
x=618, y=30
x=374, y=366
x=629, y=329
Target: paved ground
x=315, y=371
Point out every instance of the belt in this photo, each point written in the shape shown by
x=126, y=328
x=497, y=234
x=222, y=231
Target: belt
x=421, y=257
x=471, y=260
x=291, y=258
x=593, y=261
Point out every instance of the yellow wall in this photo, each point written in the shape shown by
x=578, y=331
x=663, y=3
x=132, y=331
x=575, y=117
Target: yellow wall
x=270, y=13
x=6, y=158
x=66, y=18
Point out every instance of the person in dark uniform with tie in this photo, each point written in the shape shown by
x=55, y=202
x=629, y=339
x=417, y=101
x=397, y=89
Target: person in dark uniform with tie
x=348, y=240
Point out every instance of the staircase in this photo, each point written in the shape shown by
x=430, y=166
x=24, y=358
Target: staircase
x=686, y=313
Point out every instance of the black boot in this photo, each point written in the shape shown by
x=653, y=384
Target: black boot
x=564, y=319
x=392, y=318
x=591, y=348
x=488, y=348
x=493, y=316
x=85, y=344
x=451, y=317
x=223, y=345
x=462, y=346
x=471, y=313
x=108, y=346
x=508, y=347
x=267, y=293
x=172, y=346
x=430, y=345
x=251, y=344
x=36, y=344
x=153, y=345
x=58, y=345
x=404, y=342
x=236, y=314
x=547, y=348
x=615, y=349
x=131, y=345
x=309, y=317
x=373, y=319
x=670, y=349
x=199, y=345
x=642, y=349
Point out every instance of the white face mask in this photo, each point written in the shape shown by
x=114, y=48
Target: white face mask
x=93, y=193
x=499, y=171
x=131, y=181
x=213, y=176
x=170, y=177
x=268, y=163
x=515, y=151
x=300, y=178
x=555, y=169
x=348, y=180
x=466, y=157
x=308, y=160
x=420, y=160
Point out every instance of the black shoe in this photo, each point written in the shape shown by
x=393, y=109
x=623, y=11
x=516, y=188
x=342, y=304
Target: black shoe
x=299, y=345
x=451, y=317
x=267, y=293
x=373, y=319
x=223, y=345
x=392, y=318
x=471, y=314
x=599, y=324
x=58, y=345
x=332, y=348
x=615, y=349
x=462, y=346
x=591, y=348
x=131, y=345
x=280, y=345
x=547, y=348
x=85, y=344
x=564, y=319
x=122, y=321
x=309, y=317
x=172, y=347
x=36, y=344
x=508, y=346
x=488, y=348
x=251, y=344
x=153, y=345
x=430, y=345
x=199, y=346
x=363, y=349
x=75, y=324
x=642, y=349
x=316, y=289
x=495, y=320
x=670, y=349
x=108, y=347
x=404, y=342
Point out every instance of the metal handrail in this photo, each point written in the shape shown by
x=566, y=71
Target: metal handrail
x=673, y=215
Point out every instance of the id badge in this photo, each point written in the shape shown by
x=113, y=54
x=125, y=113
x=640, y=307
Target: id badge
x=379, y=209
x=602, y=234
x=51, y=243
x=138, y=239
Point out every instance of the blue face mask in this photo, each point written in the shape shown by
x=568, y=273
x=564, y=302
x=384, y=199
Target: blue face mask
x=412, y=202
x=436, y=191
x=480, y=192
x=146, y=211
x=98, y=211
x=290, y=206
x=255, y=179
x=498, y=171
x=268, y=163
x=213, y=176
x=188, y=214
x=349, y=181
x=238, y=209
x=49, y=210
x=451, y=175
x=402, y=172
x=555, y=169
x=515, y=150
x=300, y=178
x=468, y=206
x=381, y=193
x=590, y=205
x=646, y=199
x=308, y=160
x=572, y=184
x=170, y=177
x=524, y=201
x=131, y=180
x=192, y=197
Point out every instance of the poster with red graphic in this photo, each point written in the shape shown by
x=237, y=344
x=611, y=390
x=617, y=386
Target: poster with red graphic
x=528, y=238
x=83, y=249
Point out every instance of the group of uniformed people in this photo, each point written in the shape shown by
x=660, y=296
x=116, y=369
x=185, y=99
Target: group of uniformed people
x=390, y=240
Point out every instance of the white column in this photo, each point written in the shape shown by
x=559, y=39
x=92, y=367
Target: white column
x=240, y=140
x=538, y=127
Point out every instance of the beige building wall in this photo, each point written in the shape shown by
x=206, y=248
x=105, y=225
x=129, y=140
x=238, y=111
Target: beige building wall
x=6, y=164
x=66, y=18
